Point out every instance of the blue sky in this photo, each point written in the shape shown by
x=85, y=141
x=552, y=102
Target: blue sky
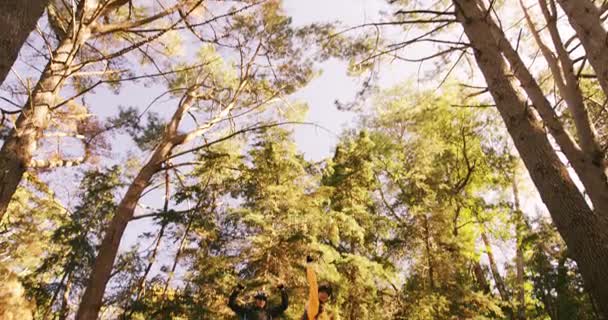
x=333, y=84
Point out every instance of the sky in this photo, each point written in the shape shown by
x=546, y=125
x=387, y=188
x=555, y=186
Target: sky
x=333, y=84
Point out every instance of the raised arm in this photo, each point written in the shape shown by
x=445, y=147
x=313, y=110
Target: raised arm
x=312, y=308
x=278, y=310
x=233, y=304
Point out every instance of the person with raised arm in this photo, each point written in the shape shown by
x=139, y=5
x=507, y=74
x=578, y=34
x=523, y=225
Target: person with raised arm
x=318, y=296
x=259, y=310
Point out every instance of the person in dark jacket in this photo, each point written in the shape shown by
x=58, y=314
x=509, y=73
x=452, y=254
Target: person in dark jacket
x=259, y=310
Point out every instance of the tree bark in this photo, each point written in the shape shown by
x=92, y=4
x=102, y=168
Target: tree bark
x=19, y=147
x=102, y=268
x=429, y=254
x=591, y=172
x=583, y=230
x=562, y=69
x=500, y=284
x=519, y=255
x=584, y=17
x=17, y=20
x=481, y=278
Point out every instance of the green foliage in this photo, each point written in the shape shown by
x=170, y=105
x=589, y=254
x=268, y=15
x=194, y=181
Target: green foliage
x=396, y=218
x=33, y=215
x=557, y=285
x=28, y=228
x=146, y=136
x=73, y=243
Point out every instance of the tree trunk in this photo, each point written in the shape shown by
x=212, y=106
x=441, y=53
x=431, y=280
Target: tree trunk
x=17, y=20
x=19, y=147
x=427, y=237
x=519, y=255
x=65, y=304
x=102, y=268
x=481, y=278
x=500, y=284
x=584, y=17
x=562, y=69
x=178, y=256
x=591, y=172
x=584, y=231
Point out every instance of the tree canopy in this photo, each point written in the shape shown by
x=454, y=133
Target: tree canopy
x=153, y=159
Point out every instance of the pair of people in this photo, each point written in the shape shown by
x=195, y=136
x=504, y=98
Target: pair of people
x=318, y=296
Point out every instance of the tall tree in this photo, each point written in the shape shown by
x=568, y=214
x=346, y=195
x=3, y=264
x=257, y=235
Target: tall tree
x=221, y=90
x=76, y=27
x=582, y=228
x=530, y=125
x=359, y=232
x=436, y=164
x=585, y=19
x=271, y=230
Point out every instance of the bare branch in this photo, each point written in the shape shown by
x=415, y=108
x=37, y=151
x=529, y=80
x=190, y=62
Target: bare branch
x=434, y=12
x=124, y=26
x=237, y=133
x=138, y=44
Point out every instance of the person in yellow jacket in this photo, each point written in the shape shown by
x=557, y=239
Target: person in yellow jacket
x=318, y=296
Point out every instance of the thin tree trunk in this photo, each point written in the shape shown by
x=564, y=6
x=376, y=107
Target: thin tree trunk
x=562, y=69
x=481, y=278
x=49, y=310
x=584, y=231
x=500, y=284
x=19, y=147
x=141, y=284
x=519, y=255
x=65, y=304
x=17, y=20
x=178, y=256
x=102, y=268
x=584, y=17
x=591, y=173
x=427, y=238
